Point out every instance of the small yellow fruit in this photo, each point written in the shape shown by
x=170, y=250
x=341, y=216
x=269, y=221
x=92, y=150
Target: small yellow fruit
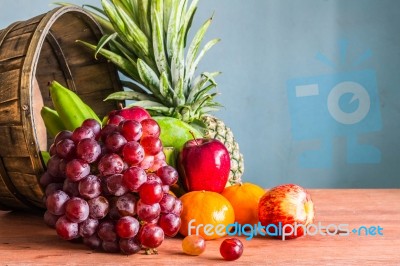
x=244, y=198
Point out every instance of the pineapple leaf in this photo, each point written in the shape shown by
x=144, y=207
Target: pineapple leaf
x=144, y=10
x=179, y=98
x=205, y=100
x=123, y=64
x=188, y=20
x=151, y=105
x=133, y=86
x=121, y=49
x=194, y=46
x=113, y=16
x=150, y=80
x=193, y=65
x=134, y=34
x=165, y=88
x=129, y=95
x=174, y=21
x=103, y=41
x=200, y=82
x=204, y=91
x=158, y=36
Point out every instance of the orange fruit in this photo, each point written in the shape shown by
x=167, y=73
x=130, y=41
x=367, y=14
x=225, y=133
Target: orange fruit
x=244, y=198
x=205, y=213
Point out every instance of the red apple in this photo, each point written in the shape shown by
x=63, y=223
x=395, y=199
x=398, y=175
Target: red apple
x=286, y=211
x=204, y=164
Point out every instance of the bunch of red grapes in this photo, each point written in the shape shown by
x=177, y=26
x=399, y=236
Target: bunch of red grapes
x=109, y=186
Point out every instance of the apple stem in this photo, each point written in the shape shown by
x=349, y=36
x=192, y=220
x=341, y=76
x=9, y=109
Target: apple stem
x=120, y=106
x=194, y=138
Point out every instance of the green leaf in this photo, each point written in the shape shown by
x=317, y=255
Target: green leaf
x=187, y=22
x=191, y=68
x=150, y=80
x=151, y=105
x=133, y=86
x=114, y=17
x=179, y=98
x=134, y=34
x=158, y=36
x=129, y=95
x=103, y=41
x=144, y=10
x=123, y=64
x=199, y=84
x=174, y=24
x=165, y=87
x=195, y=44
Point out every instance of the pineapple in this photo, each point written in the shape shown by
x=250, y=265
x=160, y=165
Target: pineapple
x=147, y=41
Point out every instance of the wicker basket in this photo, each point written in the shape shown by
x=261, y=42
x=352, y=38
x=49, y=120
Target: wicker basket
x=43, y=49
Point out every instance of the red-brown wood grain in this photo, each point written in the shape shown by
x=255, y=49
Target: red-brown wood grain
x=25, y=240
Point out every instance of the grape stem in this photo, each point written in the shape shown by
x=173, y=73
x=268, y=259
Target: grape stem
x=151, y=251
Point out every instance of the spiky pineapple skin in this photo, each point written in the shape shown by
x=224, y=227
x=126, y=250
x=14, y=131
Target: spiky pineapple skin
x=217, y=129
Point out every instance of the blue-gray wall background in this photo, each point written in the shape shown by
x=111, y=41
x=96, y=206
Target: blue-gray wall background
x=311, y=88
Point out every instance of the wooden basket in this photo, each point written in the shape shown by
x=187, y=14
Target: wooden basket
x=44, y=49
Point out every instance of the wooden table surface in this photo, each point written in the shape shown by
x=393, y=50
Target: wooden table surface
x=25, y=240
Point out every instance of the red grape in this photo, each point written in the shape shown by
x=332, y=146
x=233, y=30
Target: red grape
x=88, y=227
x=64, y=134
x=77, y=169
x=131, y=130
x=150, y=128
x=53, y=166
x=170, y=223
x=133, y=153
x=50, y=219
x=98, y=207
x=126, y=205
x=134, y=177
x=106, y=231
x=115, y=120
x=147, y=163
x=77, y=210
x=167, y=203
x=115, y=185
x=107, y=130
x=71, y=188
x=90, y=187
x=65, y=148
x=150, y=192
x=88, y=150
x=81, y=133
x=66, y=229
x=55, y=202
x=127, y=227
x=168, y=175
x=110, y=246
x=151, y=236
x=114, y=142
x=129, y=246
x=147, y=212
x=94, y=125
x=231, y=249
x=111, y=164
x=93, y=241
x=151, y=145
